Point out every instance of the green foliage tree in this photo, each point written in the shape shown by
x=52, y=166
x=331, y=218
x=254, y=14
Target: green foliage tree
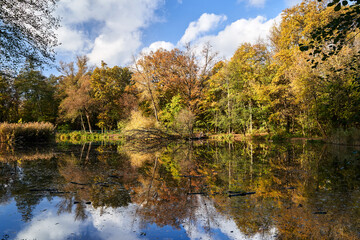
x=238, y=87
x=7, y=100
x=112, y=90
x=35, y=95
x=172, y=109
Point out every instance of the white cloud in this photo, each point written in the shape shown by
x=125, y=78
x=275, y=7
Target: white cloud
x=116, y=223
x=50, y=226
x=118, y=36
x=226, y=41
x=71, y=40
x=107, y=223
x=255, y=3
x=206, y=210
x=157, y=45
x=243, y=30
x=204, y=24
x=126, y=223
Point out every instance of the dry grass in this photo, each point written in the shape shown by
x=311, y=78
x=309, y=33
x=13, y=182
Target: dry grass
x=11, y=157
x=26, y=132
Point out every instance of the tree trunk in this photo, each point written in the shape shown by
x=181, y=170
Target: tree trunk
x=288, y=123
x=88, y=120
x=250, y=110
x=82, y=122
x=154, y=105
x=228, y=104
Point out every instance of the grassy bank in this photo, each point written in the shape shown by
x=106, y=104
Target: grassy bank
x=339, y=136
x=81, y=137
x=33, y=132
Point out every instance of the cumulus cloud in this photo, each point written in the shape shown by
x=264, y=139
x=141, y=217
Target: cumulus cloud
x=118, y=35
x=157, y=45
x=243, y=30
x=203, y=25
x=255, y=3
x=71, y=40
x=226, y=41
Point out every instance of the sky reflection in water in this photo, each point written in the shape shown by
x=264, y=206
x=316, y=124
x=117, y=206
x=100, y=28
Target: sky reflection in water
x=181, y=192
x=122, y=223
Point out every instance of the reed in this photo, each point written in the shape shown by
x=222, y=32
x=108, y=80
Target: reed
x=26, y=132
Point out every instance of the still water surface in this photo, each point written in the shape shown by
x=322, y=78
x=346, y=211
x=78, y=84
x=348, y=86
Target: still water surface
x=180, y=191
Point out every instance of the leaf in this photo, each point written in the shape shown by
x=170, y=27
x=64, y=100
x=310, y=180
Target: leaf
x=304, y=48
x=315, y=65
x=338, y=7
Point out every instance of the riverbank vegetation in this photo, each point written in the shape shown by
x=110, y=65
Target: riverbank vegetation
x=26, y=132
x=76, y=137
x=273, y=87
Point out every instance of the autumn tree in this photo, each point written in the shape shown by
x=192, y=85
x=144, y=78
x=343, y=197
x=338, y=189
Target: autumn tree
x=295, y=29
x=146, y=82
x=238, y=88
x=114, y=93
x=327, y=95
x=164, y=75
x=306, y=98
x=75, y=91
x=187, y=74
x=330, y=38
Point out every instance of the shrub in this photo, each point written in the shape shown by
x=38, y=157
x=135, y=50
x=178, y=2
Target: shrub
x=184, y=122
x=139, y=121
x=227, y=137
x=121, y=125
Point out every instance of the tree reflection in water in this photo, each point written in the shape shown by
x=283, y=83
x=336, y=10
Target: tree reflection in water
x=302, y=191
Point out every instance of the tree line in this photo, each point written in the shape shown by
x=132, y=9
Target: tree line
x=295, y=82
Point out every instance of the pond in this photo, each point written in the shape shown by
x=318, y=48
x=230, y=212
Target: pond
x=196, y=190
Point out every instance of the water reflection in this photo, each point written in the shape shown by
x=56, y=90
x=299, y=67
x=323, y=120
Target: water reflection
x=181, y=191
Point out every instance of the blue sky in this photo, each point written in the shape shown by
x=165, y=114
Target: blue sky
x=117, y=30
